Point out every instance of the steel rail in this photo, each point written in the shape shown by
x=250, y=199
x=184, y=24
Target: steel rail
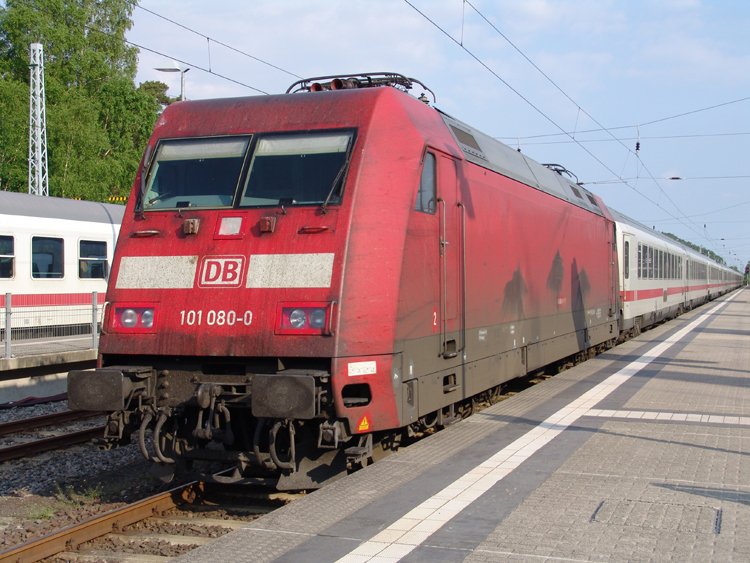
x=47, y=444
x=98, y=526
x=45, y=420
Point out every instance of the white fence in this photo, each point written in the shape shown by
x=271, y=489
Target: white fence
x=28, y=329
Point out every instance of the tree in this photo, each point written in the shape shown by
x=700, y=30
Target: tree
x=705, y=251
x=158, y=90
x=13, y=134
x=98, y=122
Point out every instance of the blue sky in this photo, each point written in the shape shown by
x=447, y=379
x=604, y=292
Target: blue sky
x=632, y=67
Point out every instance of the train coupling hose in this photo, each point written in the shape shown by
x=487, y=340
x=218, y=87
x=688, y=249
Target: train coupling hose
x=272, y=435
x=145, y=422
x=157, y=438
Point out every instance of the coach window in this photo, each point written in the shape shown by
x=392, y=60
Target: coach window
x=652, y=263
x=46, y=257
x=92, y=259
x=7, y=258
x=426, y=200
x=640, y=261
x=626, y=260
x=662, y=264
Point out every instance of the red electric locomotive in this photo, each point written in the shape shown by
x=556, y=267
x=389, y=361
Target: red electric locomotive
x=302, y=278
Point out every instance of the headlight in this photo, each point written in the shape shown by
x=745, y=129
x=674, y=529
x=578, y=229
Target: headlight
x=134, y=318
x=317, y=318
x=128, y=318
x=304, y=318
x=147, y=318
x=298, y=318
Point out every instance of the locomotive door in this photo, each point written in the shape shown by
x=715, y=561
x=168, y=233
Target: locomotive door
x=629, y=266
x=451, y=313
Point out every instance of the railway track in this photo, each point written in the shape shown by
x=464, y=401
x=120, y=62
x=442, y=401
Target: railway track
x=45, y=444
x=168, y=524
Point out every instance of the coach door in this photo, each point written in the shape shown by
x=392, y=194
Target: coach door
x=451, y=243
x=629, y=271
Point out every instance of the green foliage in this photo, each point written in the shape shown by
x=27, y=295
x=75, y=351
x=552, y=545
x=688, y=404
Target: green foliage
x=13, y=135
x=158, y=90
x=705, y=251
x=70, y=496
x=98, y=122
x=41, y=513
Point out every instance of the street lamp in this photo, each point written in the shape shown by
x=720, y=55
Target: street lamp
x=182, y=78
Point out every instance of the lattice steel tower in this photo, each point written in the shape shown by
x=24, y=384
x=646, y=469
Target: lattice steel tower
x=38, y=178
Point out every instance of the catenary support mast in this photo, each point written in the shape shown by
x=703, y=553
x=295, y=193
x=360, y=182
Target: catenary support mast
x=38, y=177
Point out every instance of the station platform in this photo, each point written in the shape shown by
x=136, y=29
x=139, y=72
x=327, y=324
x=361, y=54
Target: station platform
x=641, y=454
x=47, y=358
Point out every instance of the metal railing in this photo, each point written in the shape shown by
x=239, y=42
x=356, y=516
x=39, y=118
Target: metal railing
x=32, y=330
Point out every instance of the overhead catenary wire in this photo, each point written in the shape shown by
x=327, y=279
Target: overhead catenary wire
x=653, y=121
x=193, y=65
x=636, y=153
x=638, y=138
x=714, y=211
x=610, y=140
x=620, y=180
x=553, y=122
x=89, y=27
x=212, y=39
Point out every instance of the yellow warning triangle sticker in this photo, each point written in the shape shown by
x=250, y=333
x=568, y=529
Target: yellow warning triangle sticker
x=364, y=424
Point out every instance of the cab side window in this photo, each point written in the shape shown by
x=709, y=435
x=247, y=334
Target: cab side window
x=426, y=196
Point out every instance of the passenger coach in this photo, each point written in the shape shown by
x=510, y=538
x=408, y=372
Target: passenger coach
x=54, y=253
x=661, y=278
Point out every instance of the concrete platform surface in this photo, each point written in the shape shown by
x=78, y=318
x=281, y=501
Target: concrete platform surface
x=641, y=454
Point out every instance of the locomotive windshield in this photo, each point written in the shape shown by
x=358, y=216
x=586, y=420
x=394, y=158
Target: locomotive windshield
x=285, y=169
x=297, y=169
x=195, y=173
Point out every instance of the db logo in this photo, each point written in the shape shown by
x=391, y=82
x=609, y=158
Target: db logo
x=223, y=271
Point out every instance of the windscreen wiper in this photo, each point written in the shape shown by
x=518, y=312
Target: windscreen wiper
x=324, y=205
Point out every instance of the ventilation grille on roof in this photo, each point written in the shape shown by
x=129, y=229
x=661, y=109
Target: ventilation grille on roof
x=468, y=142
